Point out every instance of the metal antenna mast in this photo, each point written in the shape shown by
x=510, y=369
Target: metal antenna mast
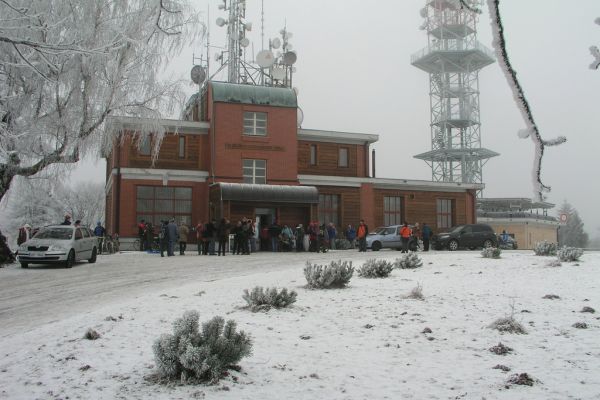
x=453, y=59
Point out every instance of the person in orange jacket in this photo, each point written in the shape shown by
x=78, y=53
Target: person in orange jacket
x=405, y=234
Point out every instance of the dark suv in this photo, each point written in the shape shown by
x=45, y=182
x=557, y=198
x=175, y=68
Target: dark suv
x=469, y=236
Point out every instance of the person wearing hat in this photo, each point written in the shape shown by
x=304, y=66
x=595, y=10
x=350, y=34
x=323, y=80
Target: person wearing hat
x=67, y=220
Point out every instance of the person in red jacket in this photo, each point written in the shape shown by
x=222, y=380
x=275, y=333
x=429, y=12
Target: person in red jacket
x=405, y=234
x=361, y=234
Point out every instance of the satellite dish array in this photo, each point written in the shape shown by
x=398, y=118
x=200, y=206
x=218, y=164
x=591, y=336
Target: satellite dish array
x=280, y=64
x=272, y=66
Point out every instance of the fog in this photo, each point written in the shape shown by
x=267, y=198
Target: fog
x=354, y=74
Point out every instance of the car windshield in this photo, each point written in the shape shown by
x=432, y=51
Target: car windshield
x=378, y=231
x=456, y=229
x=55, y=233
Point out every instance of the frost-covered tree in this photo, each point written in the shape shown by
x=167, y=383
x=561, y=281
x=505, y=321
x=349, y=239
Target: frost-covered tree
x=40, y=202
x=84, y=201
x=65, y=66
x=31, y=201
x=571, y=234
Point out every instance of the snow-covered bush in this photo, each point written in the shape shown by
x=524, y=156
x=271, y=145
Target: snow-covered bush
x=408, y=261
x=491, y=252
x=194, y=356
x=567, y=254
x=554, y=263
x=376, y=269
x=335, y=275
x=263, y=299
x=416, y=293
x=545, y=249
x=342, y=244
x=508, y=324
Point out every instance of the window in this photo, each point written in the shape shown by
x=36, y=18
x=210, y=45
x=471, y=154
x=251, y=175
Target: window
x=78, y=234
x=255, y=123
x=181, y=146
x=329, y=208
x=444, y=213
x=392, y=210
x=313, y=154
x=343, y=157
x=145, y=145
x=158, y=203
x=255, y=171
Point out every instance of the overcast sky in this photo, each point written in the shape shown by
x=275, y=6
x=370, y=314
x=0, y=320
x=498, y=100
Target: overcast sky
x=354, y=74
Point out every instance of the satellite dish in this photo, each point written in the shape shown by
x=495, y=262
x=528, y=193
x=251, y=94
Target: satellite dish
x=265, y=58
x=198, y=74
x=248, y=26
x=300, y=117
x=244, y=42
x=289, y=58
x=221, y=21
x=288, y=46
x=278, y=74
x=288, y=35
x=276, y=43
x=423, y=12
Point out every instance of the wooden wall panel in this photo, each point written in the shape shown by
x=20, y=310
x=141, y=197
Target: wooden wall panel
x=327, y=159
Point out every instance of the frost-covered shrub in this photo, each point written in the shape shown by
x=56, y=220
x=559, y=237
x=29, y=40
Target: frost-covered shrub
x=509, y=325
x=545, y=249
x=196, y=356
x=342, y=244
x=91, y=334
x=567, y=254
x=263, y=299
x=408, y=261
x=376, y=269
x=416, y=293
x=335, y=275
x=491, y=252
x=554, y=263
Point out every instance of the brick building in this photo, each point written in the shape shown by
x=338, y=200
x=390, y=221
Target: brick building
x=239, y=152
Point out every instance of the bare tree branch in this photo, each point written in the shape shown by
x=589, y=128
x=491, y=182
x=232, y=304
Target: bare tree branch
x=532, y=130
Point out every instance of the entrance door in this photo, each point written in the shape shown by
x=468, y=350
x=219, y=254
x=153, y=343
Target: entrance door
x=264, y=218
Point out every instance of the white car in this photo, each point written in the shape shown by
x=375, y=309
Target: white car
x=59, y=244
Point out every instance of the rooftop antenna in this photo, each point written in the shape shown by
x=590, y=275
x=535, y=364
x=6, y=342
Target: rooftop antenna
x=262, y=25
x=236, y=36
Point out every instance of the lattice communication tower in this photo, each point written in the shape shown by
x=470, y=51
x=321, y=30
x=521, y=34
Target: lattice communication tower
x=453, y=59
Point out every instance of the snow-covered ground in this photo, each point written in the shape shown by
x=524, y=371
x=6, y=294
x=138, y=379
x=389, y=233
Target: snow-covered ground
x=361, y=342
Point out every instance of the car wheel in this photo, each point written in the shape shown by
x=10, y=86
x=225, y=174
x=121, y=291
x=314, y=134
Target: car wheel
x=453, y=245
x=94, y=256
x=376, y=246
x=24, y=265
x=487, y=243
x=70, y=259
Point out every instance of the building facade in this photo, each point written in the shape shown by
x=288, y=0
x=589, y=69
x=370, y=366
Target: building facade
x=526, y=221
x=240, y=153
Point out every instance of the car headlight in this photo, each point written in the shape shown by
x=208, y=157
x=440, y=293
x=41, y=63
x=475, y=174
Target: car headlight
x=57, y=247
x=22, y=248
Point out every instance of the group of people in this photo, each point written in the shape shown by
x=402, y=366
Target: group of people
x=213, y=237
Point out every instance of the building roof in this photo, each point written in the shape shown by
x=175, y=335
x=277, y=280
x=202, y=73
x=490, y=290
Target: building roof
x=317, y=135
x=269, y=193
x=149, y=125
x=251, y=94
x=511, y=203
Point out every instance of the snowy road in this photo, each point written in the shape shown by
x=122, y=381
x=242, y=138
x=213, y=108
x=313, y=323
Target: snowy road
x=32, y=297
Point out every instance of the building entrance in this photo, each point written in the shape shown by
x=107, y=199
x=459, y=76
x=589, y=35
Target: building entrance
x=264, y=218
